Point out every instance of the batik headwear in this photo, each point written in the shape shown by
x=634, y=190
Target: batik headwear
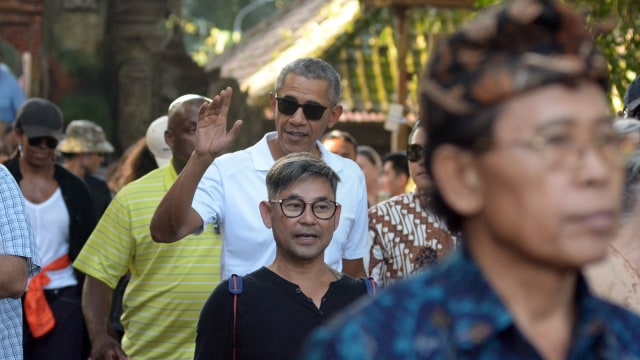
x=506, y=51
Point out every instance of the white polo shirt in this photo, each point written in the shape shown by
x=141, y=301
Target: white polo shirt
x=230, y=193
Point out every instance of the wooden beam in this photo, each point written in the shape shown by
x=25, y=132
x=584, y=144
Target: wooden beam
x=21, y=7
x=399, y=136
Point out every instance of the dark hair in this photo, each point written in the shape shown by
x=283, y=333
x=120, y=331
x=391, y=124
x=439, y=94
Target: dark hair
x=340, y=135
x=399, y=162
x=296, y=167
x=370, y=153
x=136, y=162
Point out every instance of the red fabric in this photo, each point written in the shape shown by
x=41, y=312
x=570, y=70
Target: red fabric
x=36, y=308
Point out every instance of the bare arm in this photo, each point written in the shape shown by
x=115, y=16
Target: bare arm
x=175, y=218
x=96, y=306
x=353, y=268
x=13, y=276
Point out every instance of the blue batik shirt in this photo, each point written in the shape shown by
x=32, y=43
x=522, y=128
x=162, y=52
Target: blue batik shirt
x=450, y=311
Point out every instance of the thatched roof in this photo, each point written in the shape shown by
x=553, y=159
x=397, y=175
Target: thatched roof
x=302, y=28
x=360, y=42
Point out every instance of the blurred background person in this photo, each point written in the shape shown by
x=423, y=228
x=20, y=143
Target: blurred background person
x=62, y=216
x=617, y=278
x=369, y=161
x=156, y=141
x=631, y=100
x=136, y=161
x=340, y=142
x=406, y=234
x=629, y=128
x=83, y=152
x=11, y=95
x=394, y=179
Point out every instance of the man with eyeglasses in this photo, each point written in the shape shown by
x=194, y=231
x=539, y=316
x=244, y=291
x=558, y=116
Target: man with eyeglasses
x=526, y=162
x=227, y=191
x=271, y=310
x=406, y=235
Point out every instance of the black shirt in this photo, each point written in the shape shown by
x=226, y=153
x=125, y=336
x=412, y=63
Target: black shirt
x=273, y=316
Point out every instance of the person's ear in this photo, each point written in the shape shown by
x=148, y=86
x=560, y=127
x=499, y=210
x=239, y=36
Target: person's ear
x=272, y=103
x=336, y=217
x=265, y=212
x=335, y=114
x=456, y=174
x=168, y=138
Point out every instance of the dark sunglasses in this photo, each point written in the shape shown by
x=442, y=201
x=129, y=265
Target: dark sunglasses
x=415, y=152
x=49, y=141
x=310, y=111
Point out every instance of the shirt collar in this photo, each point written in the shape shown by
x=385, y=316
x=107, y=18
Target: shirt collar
x=262, y=158
x=480, y=314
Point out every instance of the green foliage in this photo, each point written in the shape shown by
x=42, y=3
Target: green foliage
x=209, y=25
x=621, y=45
x=94, y=107
x=209, y=31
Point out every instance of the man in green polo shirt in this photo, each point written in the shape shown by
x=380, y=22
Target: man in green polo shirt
x=169, y=282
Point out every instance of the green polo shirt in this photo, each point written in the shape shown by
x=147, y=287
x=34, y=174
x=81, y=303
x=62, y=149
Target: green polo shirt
x=169, y=282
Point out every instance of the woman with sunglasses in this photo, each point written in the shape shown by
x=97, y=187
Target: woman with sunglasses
x=62, y=217
x=405, y=234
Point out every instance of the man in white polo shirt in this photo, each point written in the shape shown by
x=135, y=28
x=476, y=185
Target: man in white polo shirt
x=228, y=190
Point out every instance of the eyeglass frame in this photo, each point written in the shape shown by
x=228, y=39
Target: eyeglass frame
x=305, y=107
x=539, y=142
x=312, y=203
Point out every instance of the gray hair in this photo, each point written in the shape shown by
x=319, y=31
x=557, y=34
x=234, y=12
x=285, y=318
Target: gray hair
x=296, y=167
x=316, y=69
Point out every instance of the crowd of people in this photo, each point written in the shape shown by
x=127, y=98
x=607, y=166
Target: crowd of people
x=506, y=229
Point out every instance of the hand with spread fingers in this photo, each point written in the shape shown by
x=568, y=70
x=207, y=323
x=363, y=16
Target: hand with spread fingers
x=212, y=138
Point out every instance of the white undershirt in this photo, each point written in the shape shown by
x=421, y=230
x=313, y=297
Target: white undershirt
x=50, y=223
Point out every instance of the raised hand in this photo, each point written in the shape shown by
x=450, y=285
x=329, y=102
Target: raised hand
x=212, y=137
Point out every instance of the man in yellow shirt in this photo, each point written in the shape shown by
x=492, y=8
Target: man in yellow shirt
x=169, y=282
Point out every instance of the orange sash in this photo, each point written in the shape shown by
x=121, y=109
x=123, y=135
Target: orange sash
x=36, y=308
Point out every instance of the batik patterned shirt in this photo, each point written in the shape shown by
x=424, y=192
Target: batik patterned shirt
x=405, y=237
x=449, y=311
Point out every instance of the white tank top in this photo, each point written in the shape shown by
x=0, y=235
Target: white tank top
x=50, y=223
